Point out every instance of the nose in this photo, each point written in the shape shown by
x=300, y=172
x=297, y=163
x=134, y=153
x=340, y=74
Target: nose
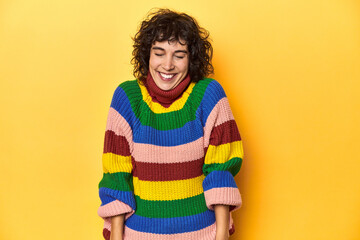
x=168, y=64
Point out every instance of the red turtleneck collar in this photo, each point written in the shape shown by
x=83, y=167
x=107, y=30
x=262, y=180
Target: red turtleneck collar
x=165, y=98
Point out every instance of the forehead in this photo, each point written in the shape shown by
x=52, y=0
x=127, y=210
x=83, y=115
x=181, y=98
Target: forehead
x=171, y=45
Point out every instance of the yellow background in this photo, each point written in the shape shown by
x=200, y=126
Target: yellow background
x=291, y=70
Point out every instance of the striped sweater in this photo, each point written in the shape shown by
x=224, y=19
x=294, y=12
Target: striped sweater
x=166, y=167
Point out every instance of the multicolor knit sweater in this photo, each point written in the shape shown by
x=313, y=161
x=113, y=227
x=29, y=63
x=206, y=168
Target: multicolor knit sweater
x=166, y=167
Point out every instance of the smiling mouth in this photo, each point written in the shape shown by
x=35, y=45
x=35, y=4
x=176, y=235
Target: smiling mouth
x=167, y=77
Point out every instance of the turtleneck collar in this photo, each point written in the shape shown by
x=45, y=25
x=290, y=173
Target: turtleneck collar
x=165, y=98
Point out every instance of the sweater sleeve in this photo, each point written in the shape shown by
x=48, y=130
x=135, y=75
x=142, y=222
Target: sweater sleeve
x=116, y=187
x=223, y=154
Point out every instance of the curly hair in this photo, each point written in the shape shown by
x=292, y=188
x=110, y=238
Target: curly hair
x=165, y=24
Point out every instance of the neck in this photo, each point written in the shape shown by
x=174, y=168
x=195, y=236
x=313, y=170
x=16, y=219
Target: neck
x=165, y=98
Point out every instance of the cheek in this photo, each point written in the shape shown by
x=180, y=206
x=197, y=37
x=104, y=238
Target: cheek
x=185, y=66
x=152, y=63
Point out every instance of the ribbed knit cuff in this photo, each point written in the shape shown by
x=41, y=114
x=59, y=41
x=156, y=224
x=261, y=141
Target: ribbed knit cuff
x=110, y=209
x=220, y=188
x=225, y=196
x=114, y=208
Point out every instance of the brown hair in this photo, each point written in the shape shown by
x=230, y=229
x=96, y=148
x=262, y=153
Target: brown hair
x=165, y=24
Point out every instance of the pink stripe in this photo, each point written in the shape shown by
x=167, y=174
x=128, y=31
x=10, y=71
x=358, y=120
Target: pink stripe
x=114, y=208
x=207, y=233
x=219, y=114
x=118, y=124
x=174, y=154
x=225, y=195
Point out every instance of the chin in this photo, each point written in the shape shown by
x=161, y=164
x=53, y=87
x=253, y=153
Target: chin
x=166, y=86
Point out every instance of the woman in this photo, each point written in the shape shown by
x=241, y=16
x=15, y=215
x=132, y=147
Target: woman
x=172, y=147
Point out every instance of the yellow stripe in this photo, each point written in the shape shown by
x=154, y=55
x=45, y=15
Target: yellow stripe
x=168, y=190
x=113, y=163
x=224, y=152
x=175, y=106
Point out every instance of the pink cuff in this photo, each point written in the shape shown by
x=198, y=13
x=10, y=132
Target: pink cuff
x=114, y=208
x=224, y=196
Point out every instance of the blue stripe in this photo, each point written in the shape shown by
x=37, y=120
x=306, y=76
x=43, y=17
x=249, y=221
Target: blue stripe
x=219, y=179
x=191, y=131
x=171, y=225
x=108, y=195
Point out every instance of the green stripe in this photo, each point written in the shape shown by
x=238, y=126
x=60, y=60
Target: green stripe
x=165, y=121
x=233, y=166
x=121, y=181
x=168, y=209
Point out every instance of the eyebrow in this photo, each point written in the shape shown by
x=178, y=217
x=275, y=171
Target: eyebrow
x=177, y=51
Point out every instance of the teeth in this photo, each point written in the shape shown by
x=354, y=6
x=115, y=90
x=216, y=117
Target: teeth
x=166, y=76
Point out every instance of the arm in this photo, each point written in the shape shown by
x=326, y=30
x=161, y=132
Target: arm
x=117, y=223
x=116, y=187
x=223, y=156
x=222, y=216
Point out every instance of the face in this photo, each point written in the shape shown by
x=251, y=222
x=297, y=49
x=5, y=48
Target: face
x=168, y=64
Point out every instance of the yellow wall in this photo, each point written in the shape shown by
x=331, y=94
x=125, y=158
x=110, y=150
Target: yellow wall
x=291, y=70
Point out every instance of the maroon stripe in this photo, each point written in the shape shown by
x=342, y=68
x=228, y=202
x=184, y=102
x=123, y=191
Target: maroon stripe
x=168, y=171
x=226, y=132
x=116, y=144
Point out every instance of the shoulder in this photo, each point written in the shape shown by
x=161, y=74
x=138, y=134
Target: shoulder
x=126, y=87
x=211, y=95
x=213, y=103
x=125, y=90
x=124, y=95
x=211, y=89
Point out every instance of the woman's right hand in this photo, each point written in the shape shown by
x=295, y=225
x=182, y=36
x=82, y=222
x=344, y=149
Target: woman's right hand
x=117, y=226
